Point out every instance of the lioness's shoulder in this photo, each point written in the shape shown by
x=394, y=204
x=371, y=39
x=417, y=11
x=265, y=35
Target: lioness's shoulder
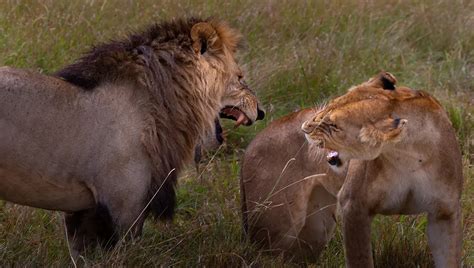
x=292, y=119
x=286, y=128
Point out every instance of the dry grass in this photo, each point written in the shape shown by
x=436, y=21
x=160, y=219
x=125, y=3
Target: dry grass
x=298, y=53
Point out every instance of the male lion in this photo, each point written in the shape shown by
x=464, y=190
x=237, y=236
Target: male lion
x=404, y=159
x=285, y=208
x=106, y=140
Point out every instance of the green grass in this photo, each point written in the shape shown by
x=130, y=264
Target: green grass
x=297, y=54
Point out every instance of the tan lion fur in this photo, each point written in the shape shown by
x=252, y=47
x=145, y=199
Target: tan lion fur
x=403, y=158
x=285, y=207
x=117, y=126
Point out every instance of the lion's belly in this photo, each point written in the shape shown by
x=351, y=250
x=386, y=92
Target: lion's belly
x=42, y=192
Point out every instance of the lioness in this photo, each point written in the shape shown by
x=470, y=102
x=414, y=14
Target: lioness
x=404, y=159
x=105, y=138
x=289, y=191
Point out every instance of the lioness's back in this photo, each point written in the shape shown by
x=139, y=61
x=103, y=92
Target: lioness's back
x=281, y=210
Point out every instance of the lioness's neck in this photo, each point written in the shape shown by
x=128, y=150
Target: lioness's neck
x=423, y=135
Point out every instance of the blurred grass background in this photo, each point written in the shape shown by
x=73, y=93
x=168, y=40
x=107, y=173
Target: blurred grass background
x=297, y=54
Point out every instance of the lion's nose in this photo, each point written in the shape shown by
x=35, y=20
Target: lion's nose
x=260, y=113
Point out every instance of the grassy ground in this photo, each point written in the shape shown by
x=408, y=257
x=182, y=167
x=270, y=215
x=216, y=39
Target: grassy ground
x=297, y=54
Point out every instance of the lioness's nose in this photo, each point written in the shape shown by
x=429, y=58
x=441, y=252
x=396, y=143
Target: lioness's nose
x=260, y=113
x=308, y=126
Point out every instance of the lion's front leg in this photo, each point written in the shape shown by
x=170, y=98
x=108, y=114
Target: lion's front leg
x=89, y=227
x=444, y=238
x=121, y=193
x=125, y=194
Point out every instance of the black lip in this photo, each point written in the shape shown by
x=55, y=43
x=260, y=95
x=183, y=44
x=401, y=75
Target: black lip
x=260, y=114
x=219, y=131
x=335, y=161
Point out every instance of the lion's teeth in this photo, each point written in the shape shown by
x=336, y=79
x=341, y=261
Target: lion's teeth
x=242, y=118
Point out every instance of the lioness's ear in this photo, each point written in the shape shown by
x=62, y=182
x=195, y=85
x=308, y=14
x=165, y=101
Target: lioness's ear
x=204, y=36
x=382, y=131
x=383, y=80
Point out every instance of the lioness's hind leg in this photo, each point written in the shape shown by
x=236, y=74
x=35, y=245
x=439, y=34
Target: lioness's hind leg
x=88, y=227
x=444, y=238
x=320, y=220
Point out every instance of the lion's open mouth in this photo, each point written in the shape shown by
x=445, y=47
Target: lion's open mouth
x=234, y=113
x=333, y=158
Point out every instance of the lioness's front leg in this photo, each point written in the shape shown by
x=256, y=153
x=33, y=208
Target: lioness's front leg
x=356, y=232
x=356, y=219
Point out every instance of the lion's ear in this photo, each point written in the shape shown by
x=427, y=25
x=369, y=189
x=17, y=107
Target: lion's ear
x=383, y=80
x=204, y=36
x=382, y=131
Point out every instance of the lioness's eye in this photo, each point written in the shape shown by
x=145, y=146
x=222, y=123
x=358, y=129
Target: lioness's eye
x=334, y=127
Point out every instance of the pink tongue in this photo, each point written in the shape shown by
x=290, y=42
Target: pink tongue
x=241, y=120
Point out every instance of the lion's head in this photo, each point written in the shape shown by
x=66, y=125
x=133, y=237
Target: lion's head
x=361, y=123
x=215, y=44
x=183, y=73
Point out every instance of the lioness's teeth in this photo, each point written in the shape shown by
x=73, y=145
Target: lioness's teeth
x=333, y=158
x=332, y=154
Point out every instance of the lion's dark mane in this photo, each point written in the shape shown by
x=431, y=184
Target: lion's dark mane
x=114, y=59
x=149, y=59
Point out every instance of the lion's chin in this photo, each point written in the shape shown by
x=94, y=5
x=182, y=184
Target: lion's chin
x=234, y=113
x=219, y=132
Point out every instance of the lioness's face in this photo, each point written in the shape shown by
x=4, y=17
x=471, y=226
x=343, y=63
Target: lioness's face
x=356, y=125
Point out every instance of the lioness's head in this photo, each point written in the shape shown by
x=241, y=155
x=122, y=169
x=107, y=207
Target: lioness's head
x=215, y=43
x=360, y=123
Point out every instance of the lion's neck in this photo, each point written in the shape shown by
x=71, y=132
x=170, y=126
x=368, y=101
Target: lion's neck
x=179, y=117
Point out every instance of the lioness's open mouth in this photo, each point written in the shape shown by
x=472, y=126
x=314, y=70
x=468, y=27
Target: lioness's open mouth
x=234, y=113
x=333, y=158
